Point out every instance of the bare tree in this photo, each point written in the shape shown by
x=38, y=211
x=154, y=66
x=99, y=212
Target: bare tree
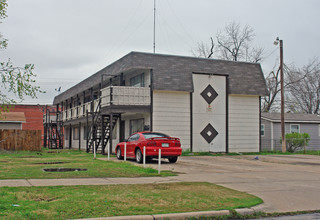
x=292, y=76
x=234, y=42
x=204, y=50
x=304, y=94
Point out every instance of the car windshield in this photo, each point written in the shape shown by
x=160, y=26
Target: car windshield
x=152, y=135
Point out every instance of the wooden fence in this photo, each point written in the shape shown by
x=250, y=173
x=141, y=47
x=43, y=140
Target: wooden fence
x=29, y=140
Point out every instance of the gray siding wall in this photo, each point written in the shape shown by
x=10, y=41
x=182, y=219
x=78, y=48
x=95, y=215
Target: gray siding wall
x=311, y=129
x=266, y=139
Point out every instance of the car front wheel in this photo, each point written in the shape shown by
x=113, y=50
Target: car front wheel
x=138, y=156
x=173, y=159
x=119, y=157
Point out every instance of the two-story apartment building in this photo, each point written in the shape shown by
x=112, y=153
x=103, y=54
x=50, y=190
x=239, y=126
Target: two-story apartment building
x=211, y=105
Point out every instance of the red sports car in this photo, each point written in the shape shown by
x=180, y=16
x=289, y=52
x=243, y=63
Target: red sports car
x=153, y=141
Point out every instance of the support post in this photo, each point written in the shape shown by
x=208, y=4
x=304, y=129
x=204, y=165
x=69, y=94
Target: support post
x=110, y=135
x=79, y=135
x=102, y=135
x=125, y=151
x=159, y=161
x=87, y=126
x=144, y=156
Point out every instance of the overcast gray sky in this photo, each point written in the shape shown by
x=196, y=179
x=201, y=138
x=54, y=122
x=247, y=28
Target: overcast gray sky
x=70, y=40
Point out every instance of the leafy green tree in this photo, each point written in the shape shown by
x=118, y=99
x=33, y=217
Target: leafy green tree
x=18, y=81
x=296, y=141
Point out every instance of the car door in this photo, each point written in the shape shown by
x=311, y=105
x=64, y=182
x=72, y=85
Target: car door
x=131, y=144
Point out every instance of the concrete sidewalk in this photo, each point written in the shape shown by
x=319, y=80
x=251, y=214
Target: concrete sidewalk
x=86, y=181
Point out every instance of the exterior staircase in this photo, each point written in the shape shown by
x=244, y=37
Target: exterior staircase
x=99, y=133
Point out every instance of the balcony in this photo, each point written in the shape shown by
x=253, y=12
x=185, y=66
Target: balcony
x=113, y=95
x=125, y=95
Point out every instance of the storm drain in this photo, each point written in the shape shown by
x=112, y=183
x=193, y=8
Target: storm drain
x=63, y=169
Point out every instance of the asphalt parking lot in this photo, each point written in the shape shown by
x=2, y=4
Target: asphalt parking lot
x=284, y=182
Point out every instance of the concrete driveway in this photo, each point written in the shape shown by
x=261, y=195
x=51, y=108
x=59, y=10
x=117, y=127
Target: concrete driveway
x=284, y=182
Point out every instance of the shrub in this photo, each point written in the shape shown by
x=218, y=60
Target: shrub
x=296, y=141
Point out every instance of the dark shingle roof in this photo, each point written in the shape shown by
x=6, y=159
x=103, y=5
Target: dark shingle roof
x=175, y=73
x=291, y=117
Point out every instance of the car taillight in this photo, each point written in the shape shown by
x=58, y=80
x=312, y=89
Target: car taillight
x=177, y=144
x=151, y=143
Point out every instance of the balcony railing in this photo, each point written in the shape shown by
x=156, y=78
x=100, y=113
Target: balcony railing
x=125, y=95
x=113, y=95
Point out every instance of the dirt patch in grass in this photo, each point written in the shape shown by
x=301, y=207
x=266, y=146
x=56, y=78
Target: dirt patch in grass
x=63, y=169
x=28, y=157
x=53, y=162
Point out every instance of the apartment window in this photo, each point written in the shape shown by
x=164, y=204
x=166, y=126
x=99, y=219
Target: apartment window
x=294, y=128
x=137, y=81
x=66, y=133
x=136, y=125
x=84, y=132
x=76, y=133
x=262, y=130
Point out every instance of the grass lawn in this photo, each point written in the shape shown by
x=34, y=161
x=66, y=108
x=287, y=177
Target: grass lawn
x=30, y=165
x=65, y=202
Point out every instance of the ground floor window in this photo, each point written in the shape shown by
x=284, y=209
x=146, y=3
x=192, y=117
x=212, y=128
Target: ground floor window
x=294, y=128
x=84, y=132
x=75, y=133
x=136, y=125
x=66, y=133
x=262, y=130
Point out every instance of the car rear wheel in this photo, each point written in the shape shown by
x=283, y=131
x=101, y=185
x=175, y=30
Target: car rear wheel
x=119, y=157
x=139, y=156
x=173, y=159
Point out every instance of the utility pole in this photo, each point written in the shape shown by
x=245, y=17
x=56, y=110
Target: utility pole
x=154, y=26
x=282, y=100
x=283, y=139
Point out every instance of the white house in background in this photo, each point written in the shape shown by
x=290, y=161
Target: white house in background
x=12, y=120
x=211, y=105
x=301, y=123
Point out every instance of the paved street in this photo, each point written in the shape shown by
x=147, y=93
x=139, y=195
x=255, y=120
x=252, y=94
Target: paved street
x=284, y=182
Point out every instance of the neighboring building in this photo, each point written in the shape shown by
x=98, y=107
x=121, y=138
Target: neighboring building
x=211, y=105
x=302, y=123
x=12, y=120
x=24, y=117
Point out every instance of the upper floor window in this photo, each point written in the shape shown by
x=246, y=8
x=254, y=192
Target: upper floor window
x=137, y=81
x=294, y=128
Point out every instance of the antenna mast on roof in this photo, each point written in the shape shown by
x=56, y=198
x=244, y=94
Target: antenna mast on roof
x=154, y=26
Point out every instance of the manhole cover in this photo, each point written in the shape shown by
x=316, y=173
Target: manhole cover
x=53, y=162
x=63, y=169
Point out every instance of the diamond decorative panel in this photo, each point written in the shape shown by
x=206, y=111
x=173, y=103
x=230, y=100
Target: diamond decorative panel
x=209, y=133
x=209, y=94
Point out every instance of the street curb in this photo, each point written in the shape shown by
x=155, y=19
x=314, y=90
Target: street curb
x=177, y=216
x=184, y=215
